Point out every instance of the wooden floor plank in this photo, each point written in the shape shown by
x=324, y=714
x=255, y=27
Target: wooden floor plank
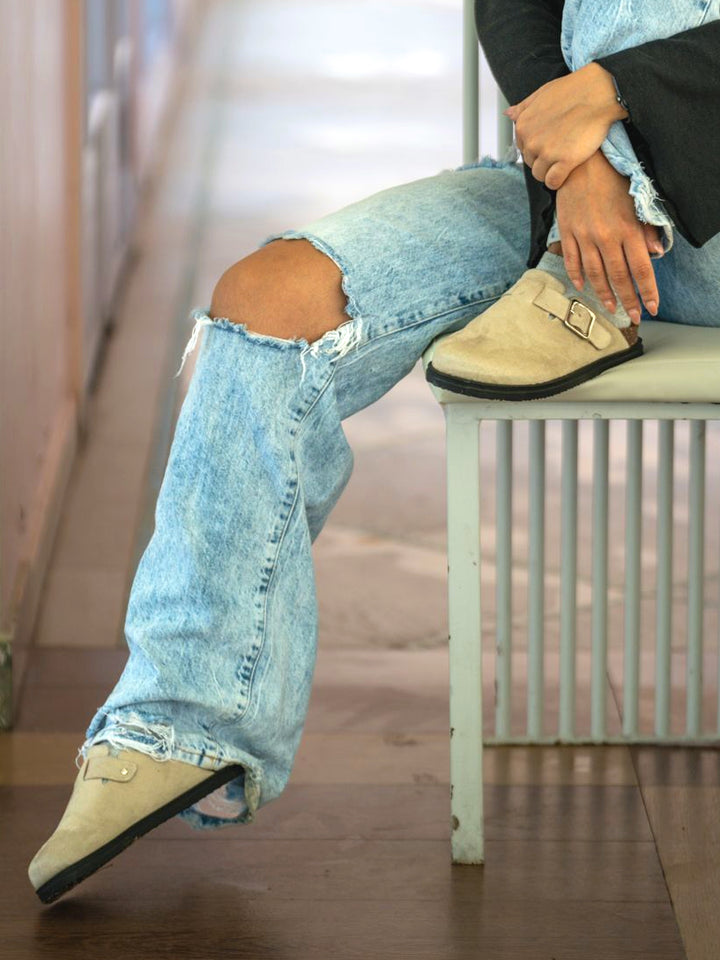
x=355, y=891
x=349, y=866
x=686, y=822
x=683, y=766
x=400, y=869
x=279, y=940
x=335, y=811
x=681, y=792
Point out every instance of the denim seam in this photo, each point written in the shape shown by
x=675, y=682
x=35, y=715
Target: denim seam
x=293, y=505
x=269, y=569
x=272, y=562
x=252, y=658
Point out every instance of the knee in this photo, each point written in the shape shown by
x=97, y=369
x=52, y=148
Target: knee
x=285, y=289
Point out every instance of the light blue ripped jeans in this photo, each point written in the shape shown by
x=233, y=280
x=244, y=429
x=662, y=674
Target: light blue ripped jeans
x=222, y=617
x=221, y=622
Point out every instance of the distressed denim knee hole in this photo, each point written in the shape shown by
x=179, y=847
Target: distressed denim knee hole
x=202, y=318
x=333, y=344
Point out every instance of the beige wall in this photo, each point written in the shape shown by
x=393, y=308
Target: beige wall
x=38, y=213
x=49, y=285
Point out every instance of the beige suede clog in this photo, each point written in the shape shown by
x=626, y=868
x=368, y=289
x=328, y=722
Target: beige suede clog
x=534, y=342
x=118, y=795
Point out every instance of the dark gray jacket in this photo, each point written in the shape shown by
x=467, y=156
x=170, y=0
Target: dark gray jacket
x=672, y=89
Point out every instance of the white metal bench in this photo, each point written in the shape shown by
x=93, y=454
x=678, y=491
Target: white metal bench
x=678, y=378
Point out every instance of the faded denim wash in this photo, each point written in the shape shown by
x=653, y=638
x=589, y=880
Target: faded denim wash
x=222, y=617
x=222, y=622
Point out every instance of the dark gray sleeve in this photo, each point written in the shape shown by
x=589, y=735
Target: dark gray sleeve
x=672, y=88
x=521, y=42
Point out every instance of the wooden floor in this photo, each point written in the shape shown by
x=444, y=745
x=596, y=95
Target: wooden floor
x=604, y=853
x=593, y=853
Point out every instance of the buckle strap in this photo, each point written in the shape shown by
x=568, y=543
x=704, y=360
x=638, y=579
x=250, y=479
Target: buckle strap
x=110, y=768
x=576, y=316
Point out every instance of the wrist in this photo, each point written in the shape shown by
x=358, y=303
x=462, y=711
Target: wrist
x=605, y=94
x=587, y=173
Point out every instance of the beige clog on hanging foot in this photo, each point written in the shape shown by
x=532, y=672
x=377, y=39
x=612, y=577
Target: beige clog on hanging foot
x=118, y=796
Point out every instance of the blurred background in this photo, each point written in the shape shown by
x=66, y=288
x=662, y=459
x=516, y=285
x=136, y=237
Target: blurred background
x=147, y=145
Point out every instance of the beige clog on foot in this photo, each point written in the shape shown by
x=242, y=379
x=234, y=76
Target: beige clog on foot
x=534, y=342
x=118, y=796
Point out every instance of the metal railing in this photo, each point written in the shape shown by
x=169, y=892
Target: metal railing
x=668, y=591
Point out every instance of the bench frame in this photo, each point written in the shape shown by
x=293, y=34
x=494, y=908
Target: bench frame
x=463, y=420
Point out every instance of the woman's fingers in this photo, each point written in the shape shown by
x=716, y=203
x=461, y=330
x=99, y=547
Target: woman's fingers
x=603, y=240
x=550, y=172
x=539, y=169
x=618, y=273
x=573, y=262
x=557, y=174
x=637, y=257
x=653, y=239
x=514, y=110
x=594, y=268
x=613, y=271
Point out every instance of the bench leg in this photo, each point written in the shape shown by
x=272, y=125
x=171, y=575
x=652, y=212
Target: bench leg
x=465, y=646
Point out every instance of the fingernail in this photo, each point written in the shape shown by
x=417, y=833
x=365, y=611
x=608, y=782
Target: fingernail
x=658, y=247
x=578, y=284
x=652, y=306
x=634, y=315
x=610, y=305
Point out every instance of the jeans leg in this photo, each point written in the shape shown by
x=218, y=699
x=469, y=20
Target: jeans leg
x=222, y=617
x=688, y=280
x=221, y=621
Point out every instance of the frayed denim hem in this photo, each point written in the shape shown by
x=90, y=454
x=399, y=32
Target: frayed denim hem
x=507, y=162
x=334, y=343
x=202, y=318
x=156, y=738
x=648, y=204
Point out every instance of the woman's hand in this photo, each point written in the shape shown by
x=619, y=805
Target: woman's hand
x=564, y=122
x=602, y=236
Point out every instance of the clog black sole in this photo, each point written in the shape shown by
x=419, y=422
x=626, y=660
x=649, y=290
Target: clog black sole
x=531, y=391
x=70, y=876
